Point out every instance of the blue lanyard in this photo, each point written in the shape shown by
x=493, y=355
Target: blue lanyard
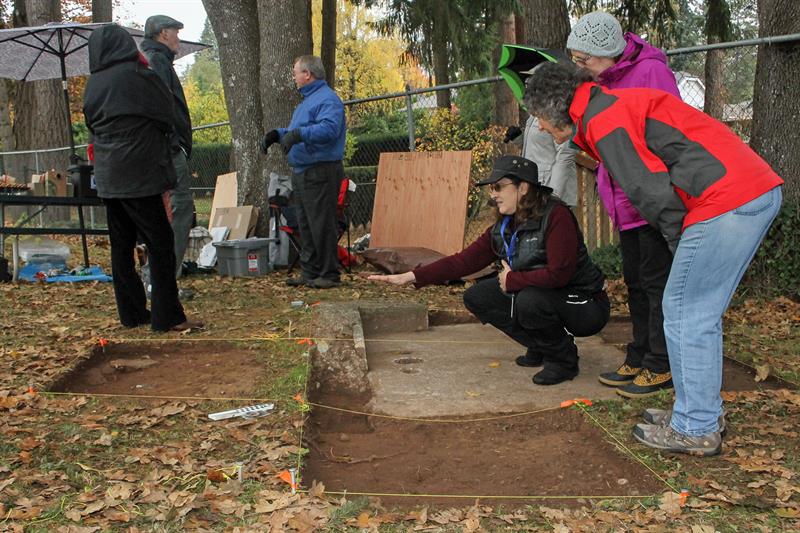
x=510, y=247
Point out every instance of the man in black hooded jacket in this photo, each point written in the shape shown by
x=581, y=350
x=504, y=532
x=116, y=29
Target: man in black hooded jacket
x=128, y=110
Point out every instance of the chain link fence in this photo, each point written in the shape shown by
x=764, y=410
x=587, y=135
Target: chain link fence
x=412, y=120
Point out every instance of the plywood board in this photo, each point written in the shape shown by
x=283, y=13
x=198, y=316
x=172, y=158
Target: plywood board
x=225, y=194
x=421, y=200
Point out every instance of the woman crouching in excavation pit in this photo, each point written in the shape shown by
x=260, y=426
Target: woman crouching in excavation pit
x=547, y=290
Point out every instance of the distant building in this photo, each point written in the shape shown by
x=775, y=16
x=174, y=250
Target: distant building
x=693, y=92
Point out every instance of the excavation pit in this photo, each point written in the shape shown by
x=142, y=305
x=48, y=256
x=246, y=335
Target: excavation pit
x=526, y=458
x=189, y=368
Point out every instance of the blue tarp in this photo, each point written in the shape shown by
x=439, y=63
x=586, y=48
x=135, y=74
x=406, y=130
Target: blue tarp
x=95, y=273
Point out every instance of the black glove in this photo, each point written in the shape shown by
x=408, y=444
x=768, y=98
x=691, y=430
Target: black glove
x=512, y=133
x=269, y=139
x=289, y=139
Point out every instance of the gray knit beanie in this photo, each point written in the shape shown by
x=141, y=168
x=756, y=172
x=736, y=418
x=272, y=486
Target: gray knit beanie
x=597, y=34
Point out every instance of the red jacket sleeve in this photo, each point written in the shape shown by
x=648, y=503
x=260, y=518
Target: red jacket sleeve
x=474, y=257
x=561, y=242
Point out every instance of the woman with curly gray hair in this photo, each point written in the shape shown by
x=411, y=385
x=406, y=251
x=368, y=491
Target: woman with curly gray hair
x=710, y=195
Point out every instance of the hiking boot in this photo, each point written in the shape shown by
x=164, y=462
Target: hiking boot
x=554, y=374
x=662, y=417
x=298, y=281
x=621, y=376
x=667, y=439
x=324, y=283
x=530, y=359
x=646, y=383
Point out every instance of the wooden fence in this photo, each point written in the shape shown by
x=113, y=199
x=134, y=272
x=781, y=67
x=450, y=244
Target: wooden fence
x=598, y=230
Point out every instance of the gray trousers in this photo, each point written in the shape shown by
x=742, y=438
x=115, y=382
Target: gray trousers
x=182, y=208
x=316, y=192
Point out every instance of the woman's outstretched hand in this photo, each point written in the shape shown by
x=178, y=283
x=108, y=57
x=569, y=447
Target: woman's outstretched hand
x=395, y=279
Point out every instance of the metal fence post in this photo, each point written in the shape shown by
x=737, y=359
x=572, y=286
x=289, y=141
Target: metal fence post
x=410, y=116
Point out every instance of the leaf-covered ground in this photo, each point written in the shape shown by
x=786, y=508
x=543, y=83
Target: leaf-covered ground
x=77, y=463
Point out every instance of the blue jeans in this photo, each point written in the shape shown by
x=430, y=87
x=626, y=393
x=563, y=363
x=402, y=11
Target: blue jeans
x=711, y=259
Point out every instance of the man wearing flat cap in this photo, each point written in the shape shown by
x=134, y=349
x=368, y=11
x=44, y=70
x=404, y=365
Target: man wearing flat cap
x=159, y=46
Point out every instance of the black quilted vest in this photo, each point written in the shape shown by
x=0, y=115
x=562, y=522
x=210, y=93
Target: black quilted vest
x=531, y=251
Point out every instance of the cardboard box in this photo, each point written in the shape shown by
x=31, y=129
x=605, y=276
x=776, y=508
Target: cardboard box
x=51, y=183
x=224, y=195
x=241, y=221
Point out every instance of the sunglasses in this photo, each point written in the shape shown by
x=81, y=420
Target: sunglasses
x=497, y=187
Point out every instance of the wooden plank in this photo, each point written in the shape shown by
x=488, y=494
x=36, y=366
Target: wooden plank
x=421, y=200
x=591, y=216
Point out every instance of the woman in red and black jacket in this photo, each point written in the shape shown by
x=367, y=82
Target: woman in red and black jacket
x=548, y=290
x=710, y=195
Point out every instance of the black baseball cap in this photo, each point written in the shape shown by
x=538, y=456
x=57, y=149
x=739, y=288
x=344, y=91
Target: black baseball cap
x=514, y=166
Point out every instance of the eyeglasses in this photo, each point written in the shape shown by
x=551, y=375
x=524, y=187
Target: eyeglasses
x=497, y=187
x=580, y=60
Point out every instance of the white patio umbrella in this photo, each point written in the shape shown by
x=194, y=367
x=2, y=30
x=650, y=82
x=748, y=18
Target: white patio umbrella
x=58, y=50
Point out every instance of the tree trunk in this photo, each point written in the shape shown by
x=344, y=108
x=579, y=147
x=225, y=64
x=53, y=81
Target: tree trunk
x=235, y=24
x=279, y=95
x=775, y=104
x=718, y=20
x=40, y=115
x=102, y=11
x=546, y=23
x=328, y=44
x=441, y=56
x=506, y=110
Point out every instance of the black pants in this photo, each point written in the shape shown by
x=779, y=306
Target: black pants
x=147, y=218
x=544, y=320
x=646, y=261
x=316, y=192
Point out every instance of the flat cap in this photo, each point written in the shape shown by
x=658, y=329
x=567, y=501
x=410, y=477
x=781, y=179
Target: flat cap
x=156, y=23
x=513, y=166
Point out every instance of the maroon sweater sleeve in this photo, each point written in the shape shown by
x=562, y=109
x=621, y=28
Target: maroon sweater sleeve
x=561, y=240
x=474, y=257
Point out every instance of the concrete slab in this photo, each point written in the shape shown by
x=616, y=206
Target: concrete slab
x=469, y=369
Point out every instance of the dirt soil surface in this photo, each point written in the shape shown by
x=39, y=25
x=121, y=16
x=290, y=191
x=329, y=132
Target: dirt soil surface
x=554, y=453
x=735, y=376
x=195, y=369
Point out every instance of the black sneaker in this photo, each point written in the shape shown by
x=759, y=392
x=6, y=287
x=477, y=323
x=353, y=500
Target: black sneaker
x=299, y=281
x=645, y=384
x=530, y=359
x=621, y=376
x=554, y=374
x=324, y=283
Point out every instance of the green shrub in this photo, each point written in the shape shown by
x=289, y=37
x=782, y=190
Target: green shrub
x=369, y=147
x=608, y=258
x=365, y=174
x=209, y=161
x=775, y=270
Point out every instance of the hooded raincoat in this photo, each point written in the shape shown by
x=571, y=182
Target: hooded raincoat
x=128, y=110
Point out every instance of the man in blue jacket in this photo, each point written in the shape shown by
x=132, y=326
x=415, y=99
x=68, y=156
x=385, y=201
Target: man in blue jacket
x=314, y=144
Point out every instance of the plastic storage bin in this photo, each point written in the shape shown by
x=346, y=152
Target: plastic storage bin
x=244, y=257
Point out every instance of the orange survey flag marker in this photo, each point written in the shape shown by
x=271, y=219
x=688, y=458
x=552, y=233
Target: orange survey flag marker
x=569, y=403
x=103, y=342
x=31, y=390
x=289, y=477
x=682, y=497
x=306, y=341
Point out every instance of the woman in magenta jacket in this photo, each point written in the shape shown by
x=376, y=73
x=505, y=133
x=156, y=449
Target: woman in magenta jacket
x=619, y=61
